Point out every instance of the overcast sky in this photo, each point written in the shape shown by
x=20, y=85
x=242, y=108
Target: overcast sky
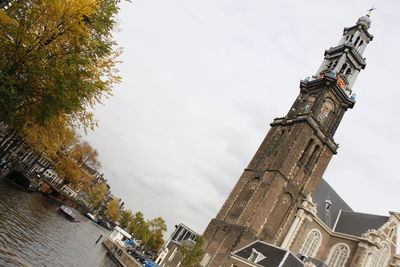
x=202, y=80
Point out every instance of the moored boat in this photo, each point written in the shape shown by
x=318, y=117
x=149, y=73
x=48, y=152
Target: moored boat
x=93, y=217
x=70, y=213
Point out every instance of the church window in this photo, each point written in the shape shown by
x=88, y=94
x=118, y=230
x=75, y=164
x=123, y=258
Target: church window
x=351, y=37
x=343, y=68
x=312, y=158
x=358, y=39
x=361, y=43
x=338, y=256
x=391, y=233
x=254, y=183
x=312, y=243
x=381, y=256
x=334, y=64
x=256, y=256
x=348, y=71
x=328, y=204
x=253, y=186
x=306, y=152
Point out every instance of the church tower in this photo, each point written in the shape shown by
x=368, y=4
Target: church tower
x=292, y=158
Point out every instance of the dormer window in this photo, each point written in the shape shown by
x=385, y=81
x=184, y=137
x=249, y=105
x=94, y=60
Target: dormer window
x=256, y=256
x=328, y=205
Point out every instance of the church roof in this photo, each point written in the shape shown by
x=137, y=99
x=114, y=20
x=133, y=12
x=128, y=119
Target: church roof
x=323, y=194
x=355, y=223
x=339, y=216
x=274, y=256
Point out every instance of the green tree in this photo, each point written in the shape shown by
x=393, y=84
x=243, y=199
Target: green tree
x=138, y=226
x=97, y=194
x=126, y=218
x=192, y=253
x=154, y=238
x=57, y=57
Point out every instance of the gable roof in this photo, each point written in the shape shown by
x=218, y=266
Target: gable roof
x=274, y=256
x=323, y=193
x=356, y=223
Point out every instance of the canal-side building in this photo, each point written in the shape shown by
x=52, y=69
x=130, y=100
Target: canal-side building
x=170, y=254
x=281, y=205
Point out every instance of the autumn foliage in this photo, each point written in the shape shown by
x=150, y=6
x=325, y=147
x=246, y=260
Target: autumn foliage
x=113, y=210
x=57, y=58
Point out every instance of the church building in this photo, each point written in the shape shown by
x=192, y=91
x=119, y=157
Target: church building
x=281, y=212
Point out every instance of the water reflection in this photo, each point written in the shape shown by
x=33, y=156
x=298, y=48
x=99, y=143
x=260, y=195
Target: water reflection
x=33, y=233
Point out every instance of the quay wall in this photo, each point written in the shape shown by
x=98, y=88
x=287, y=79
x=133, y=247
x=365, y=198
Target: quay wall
x=119, y=254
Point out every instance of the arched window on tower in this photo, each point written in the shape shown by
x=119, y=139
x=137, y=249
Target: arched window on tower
x=342, y=70
x=312, y=159
x=338, y=255
x=306, y=152
x=357, y=40
x=312, y=243
x=254, y=183
x=381, y=256
x=348, y=72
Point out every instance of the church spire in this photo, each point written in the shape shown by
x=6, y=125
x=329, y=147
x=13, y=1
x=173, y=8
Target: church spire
x=345, y=61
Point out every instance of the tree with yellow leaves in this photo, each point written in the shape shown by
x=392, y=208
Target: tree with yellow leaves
x=53, y=140
x=113, y=210
x=84, y=153
x=126, y=218
x=57, y=58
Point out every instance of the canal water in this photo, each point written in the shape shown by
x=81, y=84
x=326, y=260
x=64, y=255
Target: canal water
x=33, y=233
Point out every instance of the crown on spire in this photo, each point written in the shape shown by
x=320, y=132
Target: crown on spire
x=366, y=20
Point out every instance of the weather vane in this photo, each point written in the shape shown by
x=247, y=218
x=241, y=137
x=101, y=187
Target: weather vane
x=371, y=9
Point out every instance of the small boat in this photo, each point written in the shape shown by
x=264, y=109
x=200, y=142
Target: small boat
x=93, y=217
x=70, y=213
